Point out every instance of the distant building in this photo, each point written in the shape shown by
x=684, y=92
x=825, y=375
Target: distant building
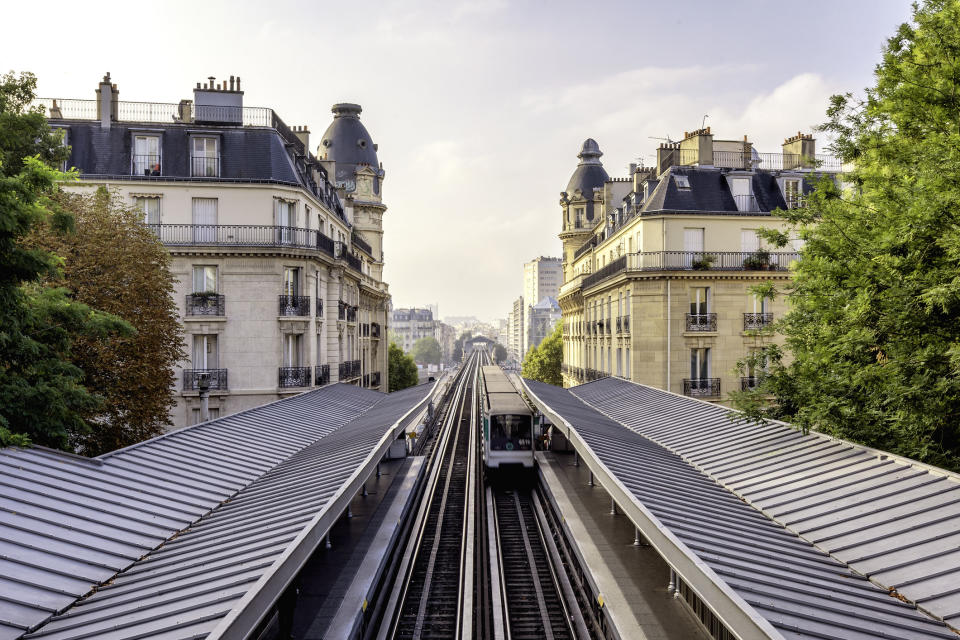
x=515, y=322
x=409, y=325
x=541, y=319
x=447, y=337
x=277, y=252
x=542, y=278
x=657, y=266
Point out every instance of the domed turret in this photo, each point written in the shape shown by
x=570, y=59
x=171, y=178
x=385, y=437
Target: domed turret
x=590, y=173
x=348, y=143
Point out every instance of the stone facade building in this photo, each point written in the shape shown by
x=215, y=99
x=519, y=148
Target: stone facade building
x=409, y=325
x=278, y=253
x=542, y=278
x=658, y=265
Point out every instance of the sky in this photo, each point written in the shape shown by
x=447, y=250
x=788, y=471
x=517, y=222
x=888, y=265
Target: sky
x=479, y=107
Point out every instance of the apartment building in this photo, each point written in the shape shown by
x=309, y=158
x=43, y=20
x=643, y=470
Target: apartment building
x=277, y=251
x=542, y=278
x=408, y=325
x=657, y=266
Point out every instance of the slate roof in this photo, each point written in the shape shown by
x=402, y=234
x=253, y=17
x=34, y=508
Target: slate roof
x=348, y=143
x=70, y=524
x=796, y=587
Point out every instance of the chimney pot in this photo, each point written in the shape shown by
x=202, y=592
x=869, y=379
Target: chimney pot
x=231, y=83
x=238, y=83
x=198, y=85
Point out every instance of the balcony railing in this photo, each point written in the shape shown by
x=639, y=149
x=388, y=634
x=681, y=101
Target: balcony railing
x=748, y=382
x=361, y=244
x=366, y=380
x=374, y=379
x=205, y=304
x=586, y=246
x=701, y=322
x=756, y=320
x=592, y=374
x=294, y=377
x=375, y=330
x=355, y=263
x=694, y=261
x=748, y=160
x=701, y=387
x=204, y=167
x=746, y=202
x=146, y=165
x=349, y=369
x=216, y=377
x=241, y=235
x=294, y=305
x=321, y=375
x=319, y=308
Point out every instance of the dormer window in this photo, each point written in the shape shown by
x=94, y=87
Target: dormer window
x=792, y=194
x=578, y=222
x=742, y=191
x=205, y=157
x=146, y=155
x=682, y=182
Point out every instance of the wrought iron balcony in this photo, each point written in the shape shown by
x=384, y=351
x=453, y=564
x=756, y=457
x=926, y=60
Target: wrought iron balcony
x=701, y=387
x=756, y=320
x=366, y=380
x=375, y=379
x=361, y=244
x=319, y=307
x=701, y=322
x=294, y=305
x=205, y=304
x=242, y=235
x=349, y=369
x=347, y=312
x=146, y=165
x=204, y=167
x=294, y=377
x=321, y=375
x=355, y=263
x=593, y=374
x=375, y=330
x=748, y=382
x=216, y=377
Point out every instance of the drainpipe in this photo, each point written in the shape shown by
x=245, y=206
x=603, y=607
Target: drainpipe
x=668, y=334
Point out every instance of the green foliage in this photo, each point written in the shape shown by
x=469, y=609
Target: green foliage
x=426, y=351
x=499, y=353
x=114, y=263
x=402, y=369
x=543, y=362
x=42, y=396
x=874, y=325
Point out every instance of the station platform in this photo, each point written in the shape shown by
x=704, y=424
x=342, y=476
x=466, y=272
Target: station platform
x=632, y=580
x=335, y=583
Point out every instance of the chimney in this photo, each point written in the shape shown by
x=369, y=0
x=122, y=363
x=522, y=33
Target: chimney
x=304, y=136
x=799, y=151
x=108, y=99
x=218, y=103
x=696, y=148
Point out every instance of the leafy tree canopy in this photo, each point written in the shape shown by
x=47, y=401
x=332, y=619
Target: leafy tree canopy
x=114, y=263
x=873, y=329
x=499, y=353
x=402, y=369
x=426, y=351
x=42, y=396
x=543, y=362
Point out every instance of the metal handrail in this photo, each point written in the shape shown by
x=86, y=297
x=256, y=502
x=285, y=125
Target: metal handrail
x=216, y=377
x=756, y=320
x=701, y=387
x=701, y=322
x=290, y=305
x=205, y=304
x=294, y=377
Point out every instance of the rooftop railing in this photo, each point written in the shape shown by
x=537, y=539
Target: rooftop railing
x=749, y=160
x=160, y=112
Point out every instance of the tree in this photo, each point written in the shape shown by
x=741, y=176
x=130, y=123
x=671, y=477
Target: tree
x=42, y=397
x=874, y=325
x=114, y=263
x=543, y=362
x=426, y=351
x=458, y=345
x=499, y=353
x=402, y=369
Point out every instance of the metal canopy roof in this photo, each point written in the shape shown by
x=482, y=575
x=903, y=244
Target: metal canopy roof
x=892, y=519
x=760, y=578
x=69, y=524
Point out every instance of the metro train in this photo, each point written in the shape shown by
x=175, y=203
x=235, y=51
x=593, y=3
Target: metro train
x=508, y=422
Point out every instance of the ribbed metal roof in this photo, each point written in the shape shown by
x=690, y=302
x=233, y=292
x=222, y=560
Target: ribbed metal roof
x=889, y=518
x=798, y=589
x=67, y=523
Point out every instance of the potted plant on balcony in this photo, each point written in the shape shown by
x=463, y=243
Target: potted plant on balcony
x=703, y=263
x=758, y=261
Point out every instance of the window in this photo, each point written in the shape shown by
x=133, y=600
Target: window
x=760, y=304
x=692, y=246
x=291, y=281
x=291, y=350
x=742, y=193
x=792, y=195
x=151, y=208
x=682, y=181
x=204, y=220
x=285, y=217
x=749, y=241
x=700, y=363
x=204, y=279
x=205, y=353
x=699, y=301
x=579, y=211
x=146, y=155
x=205, y=158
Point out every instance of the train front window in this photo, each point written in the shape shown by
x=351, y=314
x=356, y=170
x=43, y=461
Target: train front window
x=511, y=432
